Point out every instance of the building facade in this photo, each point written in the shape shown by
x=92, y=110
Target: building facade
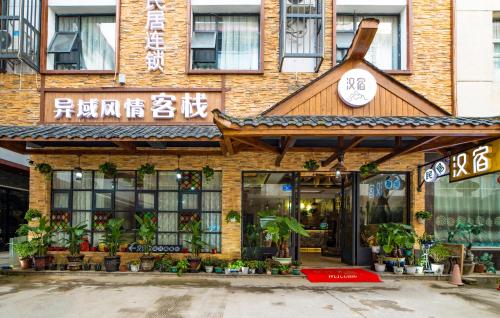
x=236, y=86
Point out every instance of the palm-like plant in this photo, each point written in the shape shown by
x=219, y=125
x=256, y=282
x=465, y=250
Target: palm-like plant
x=113, y=235
x=75, y=238
x=147, y=231
x=41, y=234
x=196, y=243
x=280, y=229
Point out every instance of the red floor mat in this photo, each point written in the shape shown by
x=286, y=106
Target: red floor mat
x=340, y=275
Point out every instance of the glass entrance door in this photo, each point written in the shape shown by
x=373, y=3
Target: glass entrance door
x=348, y=221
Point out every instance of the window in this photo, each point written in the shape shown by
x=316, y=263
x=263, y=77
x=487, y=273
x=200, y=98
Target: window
x=474, y=200
x=225, y=42
x=83, y=42
x=94, y=199
x=385, y=51
x=496, y=48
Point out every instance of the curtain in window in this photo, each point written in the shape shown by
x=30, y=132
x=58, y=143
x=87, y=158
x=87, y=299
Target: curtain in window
x=475, y=200
x=496, y=49
x=384, y=51
x=240, y=43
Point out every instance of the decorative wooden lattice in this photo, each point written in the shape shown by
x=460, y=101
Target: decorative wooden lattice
x=100, y=219
x=59, y=220
x=191, y=180
x=185, y=218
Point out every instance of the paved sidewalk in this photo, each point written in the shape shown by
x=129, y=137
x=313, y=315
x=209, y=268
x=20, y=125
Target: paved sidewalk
x=149, y=296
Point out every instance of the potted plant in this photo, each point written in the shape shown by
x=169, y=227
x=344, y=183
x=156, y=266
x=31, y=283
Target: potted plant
x=244, y=268
x=45, y=169
x=233, y=217
x=419, y=269
x=372, y=242
x=113, y=239
x=280, y=229
x=284, y=269
x=147, y=233
x=196, y=244
x=173, y=267
x=208, y=172
x=219, y=266
x=145, y=169
x=410, y=267
x=485, y=263
x=252, y=266
x=32, y=215
x=466, y=230
x=368, y=169
x=266, y=216
x=296, y=267
x=422, y=216
x=41, y=233
x=182, y=266
x=209, y=263
x=311, y=165
x=134, y=265
x=261, y=267
x=439, y=254
x=108, y=169
x=392, y=237
x=25, y=251
x=271, y=266
x=73, y=239
x=235, y=266
x=380, y=265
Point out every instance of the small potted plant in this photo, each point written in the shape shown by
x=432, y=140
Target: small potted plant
x=272, y=266
x=368, y=170
x=419, y=269
x=235, y=266
x=134, y=265
x=182, y=266
x=296, y=267
x=164, y=264
x=244, y=268
x=380, y=265
x=233, y=217
x=109, y=169
x=208, y=263
x=25, y=251
x=284, y=269
x=113, y=239
x=41, y=238
x=145, y=169
x=219, y=266
x=392, y=238
x=196, y=244
x=266, y=216
x=73, y=239
x=311, y=165
x=86, y=264
x=261, y=267
x=173, y=267
x=485, y=263
x=439, y=254
x=252, y=266
x=45, y=169
x=410, y=267
x=32, y=215
x=208, y=172
x=422, y=216
x=147, y=233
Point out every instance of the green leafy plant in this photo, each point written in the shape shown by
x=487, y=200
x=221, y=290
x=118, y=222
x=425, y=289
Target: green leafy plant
x=196, y=244
x=271, y=263
x=311, y=165
x=280, y=230
x=24, y=249
x=41, y=234
x=266, y=213
x=487, y=260
x=182, y=266
x=135, y=262
x=252, y=264
x=32, y=214
x=146, y=231
x=145, y=169
x=237, y=264
x=424, y=215
x=466, y=230
x=74, y=238
x=394, y=236
x=208, y=172
x=296, y=264
x=210, y=261
x=113, y=235
x=439, y=253
x=108, y=169
x=421, y=261
x=45, y=169
x=233, y=216
x=368, y=169
x=425, y=238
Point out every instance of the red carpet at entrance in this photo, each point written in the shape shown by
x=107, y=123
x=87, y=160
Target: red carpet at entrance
x=340, y=275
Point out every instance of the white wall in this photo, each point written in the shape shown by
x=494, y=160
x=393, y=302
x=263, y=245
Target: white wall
x=478, y=94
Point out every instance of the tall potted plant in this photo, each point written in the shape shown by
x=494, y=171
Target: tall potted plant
x=392, y=237
x=147, y=233
x=41, y=234
x=466, y=230
x=73, y=240
x=196, y=244
x=280, y=229
x=113, y=239
x=439, y=254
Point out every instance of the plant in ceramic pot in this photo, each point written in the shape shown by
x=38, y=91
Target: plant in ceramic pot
x=311, y=165
x=208, y=172
x=219, y=266
x=245, y=268
x=252, y=266
x=73, y=239
x=422, y=216
x=112, y=239
x=486, y=264
x=233, y=217
x=280, y=229
x=439, y=255
x=134, y=265
x=41, y=237
x=420, y=264
x=109, y=169
x=196, y=244
x=410, y=267
x=32, y=215
x=182, y=266
x=392, y=237
x=266, y=216
x=209, y=263
x=145, y=169
x=147, y=233
x=272, y=266
x=368, y=169
x=45, y=169
x=466, y=231
x=296, y=267
x=380, y=265
x=25, y=251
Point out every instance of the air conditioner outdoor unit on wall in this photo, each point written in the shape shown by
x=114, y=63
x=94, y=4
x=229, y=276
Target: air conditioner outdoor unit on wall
x=9, y=40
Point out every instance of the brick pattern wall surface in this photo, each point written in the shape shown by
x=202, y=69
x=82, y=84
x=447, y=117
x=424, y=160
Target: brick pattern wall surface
x=232, y=168
x=19, y=99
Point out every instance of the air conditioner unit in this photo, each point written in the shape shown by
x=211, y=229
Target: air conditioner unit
x=9, y=41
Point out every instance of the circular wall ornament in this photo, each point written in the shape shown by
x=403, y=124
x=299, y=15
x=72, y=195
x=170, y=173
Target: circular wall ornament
x=430, y=175
x=357, y=87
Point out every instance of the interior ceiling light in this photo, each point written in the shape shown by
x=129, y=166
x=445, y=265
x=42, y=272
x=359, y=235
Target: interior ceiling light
x=339, y=168
x=78, y=171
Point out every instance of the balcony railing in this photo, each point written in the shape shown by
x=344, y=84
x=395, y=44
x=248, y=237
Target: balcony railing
x=301, y=38
x=20, y=32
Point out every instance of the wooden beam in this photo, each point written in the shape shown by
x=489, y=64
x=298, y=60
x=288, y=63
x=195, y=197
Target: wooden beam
x=444, y=143
x=255, y=142
x=353, y=143
x=401, y=151
x=289, y=142
x=16, y=146
x=363, y=39
x=128, y=146
x=229, y=145
x=122, y=152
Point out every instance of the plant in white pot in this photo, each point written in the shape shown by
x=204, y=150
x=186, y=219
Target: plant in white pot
x=410, y=267
x=439, y=255
x=280, y=229
x=380, y=265
x=209, y=263
x=419, y=268
x=422, y=216
x=233, y=217
x=134, y=265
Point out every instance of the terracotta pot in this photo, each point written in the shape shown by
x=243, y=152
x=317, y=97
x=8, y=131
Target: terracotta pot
x=40, y=262
x=112, y=263
x=479, y=268
x=25, y=262
x=147, y=263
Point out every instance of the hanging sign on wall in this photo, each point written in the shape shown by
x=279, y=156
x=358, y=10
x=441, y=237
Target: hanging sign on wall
x=357, y=87
x=478, y=161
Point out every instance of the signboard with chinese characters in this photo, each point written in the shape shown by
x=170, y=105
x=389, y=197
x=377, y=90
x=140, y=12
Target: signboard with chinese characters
x=357, y=87
x=155, y=40
x=131, y=107
x=475, y=162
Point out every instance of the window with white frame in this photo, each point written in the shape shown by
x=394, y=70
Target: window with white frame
x=389, y=47
x=496, y=48
x=81, y=37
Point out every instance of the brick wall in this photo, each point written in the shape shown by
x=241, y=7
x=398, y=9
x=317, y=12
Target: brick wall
x=232, y=168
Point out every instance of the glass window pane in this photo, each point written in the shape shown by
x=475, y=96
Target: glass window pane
x=129, y=220
x=211, y=222
x=62, y=43
x=239, y=49
x=384, y=51
x=168, y=201
x=146, y=201
x=345, y=23
x=125, y=201
x=211, y=201
x=98, y=42
x=79, y=218
x=85, y=183
x=190, y=201
x=61, y=180
x=97, y=238
x=168, y=180
x=215, y=183
x=82, y=200
x=204, y=23
x=190, y=180
x=496, y=30
x=101, y=182
x=213, y=241
x=61, y=200
x=103, y=200
x=167, y=222
x=126, y=180
x=147, y=182
x=167, y=239
x=203, y=40
x=68, y=24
